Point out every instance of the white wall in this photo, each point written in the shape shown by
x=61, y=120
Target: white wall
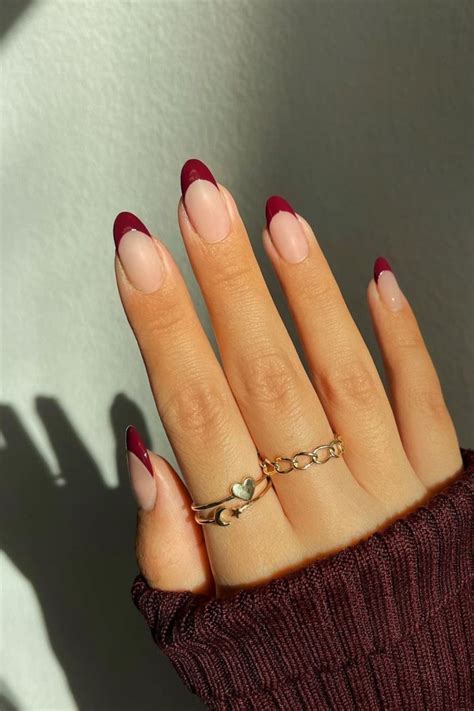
x=358, y=112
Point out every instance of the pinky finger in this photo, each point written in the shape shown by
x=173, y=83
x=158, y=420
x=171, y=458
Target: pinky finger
x=170, y=547
x=423, y=420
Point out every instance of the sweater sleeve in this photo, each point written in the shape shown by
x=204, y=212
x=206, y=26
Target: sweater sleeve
x=384, y=624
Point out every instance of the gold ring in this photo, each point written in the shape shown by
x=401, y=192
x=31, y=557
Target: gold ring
x=242, y=491
x=303, y=460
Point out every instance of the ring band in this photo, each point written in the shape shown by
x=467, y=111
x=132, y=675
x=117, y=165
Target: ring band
x=243, y=491
x=303, y=460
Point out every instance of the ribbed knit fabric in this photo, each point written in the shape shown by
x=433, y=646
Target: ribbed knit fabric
x=384, y=624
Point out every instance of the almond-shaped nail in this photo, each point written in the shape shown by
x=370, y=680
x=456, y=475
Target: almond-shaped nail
x=138, y=253
x=204, y=203
x=140, y=470
x=387, y=285
x=285, y=231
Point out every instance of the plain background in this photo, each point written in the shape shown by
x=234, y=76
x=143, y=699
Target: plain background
x=360, y=113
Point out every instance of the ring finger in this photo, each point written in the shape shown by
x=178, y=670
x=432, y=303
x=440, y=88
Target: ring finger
x=342, y=368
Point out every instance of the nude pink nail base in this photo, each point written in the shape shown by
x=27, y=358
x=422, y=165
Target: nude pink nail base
x=125, y=222
x=285, y=231
x=387, y=285
x=137, y=252
x=203, y=201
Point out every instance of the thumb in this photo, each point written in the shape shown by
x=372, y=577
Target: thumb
x=170, y=545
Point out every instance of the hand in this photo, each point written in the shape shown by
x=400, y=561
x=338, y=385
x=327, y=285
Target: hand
x=261, y=400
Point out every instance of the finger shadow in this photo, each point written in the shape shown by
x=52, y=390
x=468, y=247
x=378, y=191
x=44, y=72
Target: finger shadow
x=8, y=701
x=72, y=537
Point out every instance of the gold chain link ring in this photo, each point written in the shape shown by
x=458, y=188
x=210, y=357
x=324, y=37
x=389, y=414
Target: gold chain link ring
x=246, y=490
x=303, y=460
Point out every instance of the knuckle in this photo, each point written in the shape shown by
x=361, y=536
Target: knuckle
x=231, y=274
x=198, y=408
x=271, y=379
x=320, y=292
x=430, y=403
x=350, y=383
x=406, y=342
x=166, y=321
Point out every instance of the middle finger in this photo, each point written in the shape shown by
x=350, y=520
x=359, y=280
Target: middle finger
x=277, y=400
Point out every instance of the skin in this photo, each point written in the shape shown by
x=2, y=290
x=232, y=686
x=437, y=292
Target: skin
x=401, y=447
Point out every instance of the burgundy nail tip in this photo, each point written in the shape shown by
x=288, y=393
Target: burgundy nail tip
x=276, y=203
x=136, y=445
x=194, y=169
x=124, y=222
x=381, y=265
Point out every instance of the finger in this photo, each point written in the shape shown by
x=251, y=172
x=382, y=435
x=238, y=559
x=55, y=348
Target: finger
x=340, y=364
x=424, y=423
x=80, y=471
x=272, y=389
x=210, y=440
x=170, y=546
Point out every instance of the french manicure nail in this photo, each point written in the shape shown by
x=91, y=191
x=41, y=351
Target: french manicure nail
x=285, y=231
x=137, y=252
x=387, y=285
x=203, y=201
x=140, y=470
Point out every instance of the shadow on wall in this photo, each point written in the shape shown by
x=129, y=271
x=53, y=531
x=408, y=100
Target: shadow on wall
x=10, y=12
x=72, y=537
x=8, y=701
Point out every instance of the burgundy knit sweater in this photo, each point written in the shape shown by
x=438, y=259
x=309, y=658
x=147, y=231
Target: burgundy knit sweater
x=384, y=624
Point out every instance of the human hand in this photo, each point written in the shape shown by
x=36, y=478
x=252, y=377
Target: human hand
x=398, y=449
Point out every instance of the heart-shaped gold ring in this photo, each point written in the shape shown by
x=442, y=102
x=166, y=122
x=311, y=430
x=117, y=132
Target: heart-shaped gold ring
x=244, y=490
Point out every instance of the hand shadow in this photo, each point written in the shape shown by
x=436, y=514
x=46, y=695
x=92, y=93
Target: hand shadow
x=73, y=539
x=8, y=701
x=10, y=12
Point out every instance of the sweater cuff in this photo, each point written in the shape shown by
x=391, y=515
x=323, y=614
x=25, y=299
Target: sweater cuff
x=339, y=631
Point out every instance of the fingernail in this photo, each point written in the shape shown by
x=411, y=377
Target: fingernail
x=285, y=231
x=140, y=470
x=137, y=252
x=387, y=285
x=204, y=202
